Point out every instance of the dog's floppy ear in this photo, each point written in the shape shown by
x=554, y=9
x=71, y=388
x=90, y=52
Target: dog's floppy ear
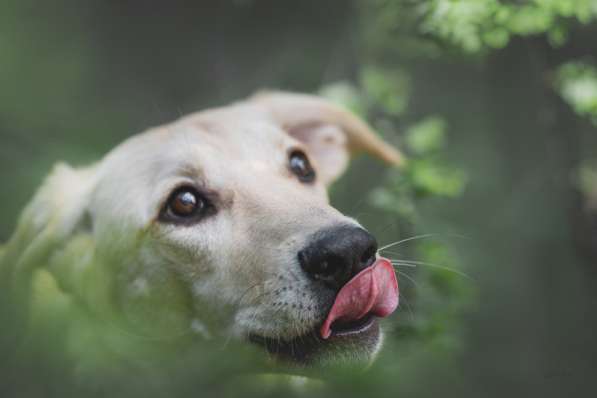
x=49, y=221
x=58, y=209
x=61, y=204
x=331, y=132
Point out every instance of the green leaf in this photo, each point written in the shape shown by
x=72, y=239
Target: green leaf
x=346, y=94
x=426, y=136
x=388, y=89
x=576, y=82
x=440, y=180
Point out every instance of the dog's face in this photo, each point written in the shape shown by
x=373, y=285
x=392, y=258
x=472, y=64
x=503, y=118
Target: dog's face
x=219, y=223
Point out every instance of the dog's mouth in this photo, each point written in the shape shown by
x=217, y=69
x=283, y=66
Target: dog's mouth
x=351, y=322
x=306, y=349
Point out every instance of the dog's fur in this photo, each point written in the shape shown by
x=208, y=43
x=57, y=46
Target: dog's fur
x=93, y=235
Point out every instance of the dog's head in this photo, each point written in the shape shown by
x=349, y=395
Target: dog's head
x=220, y=223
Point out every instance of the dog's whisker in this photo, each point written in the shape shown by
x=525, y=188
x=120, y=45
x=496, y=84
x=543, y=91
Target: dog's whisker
x=408, y=307
x=424, y=236
x=292, y=347
x=393, y=252
x=398, y=263
x=249, y=289
x=413, y=263
x=239, y=302
x=415, y=284
x=257, y=298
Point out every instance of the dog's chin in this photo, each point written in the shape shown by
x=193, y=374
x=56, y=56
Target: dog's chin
x=355, y=343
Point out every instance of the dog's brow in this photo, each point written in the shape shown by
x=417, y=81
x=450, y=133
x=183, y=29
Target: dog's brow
x=180, y=169
x=189, y=170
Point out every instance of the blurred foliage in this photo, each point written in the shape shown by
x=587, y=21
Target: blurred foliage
x=587, y=184
x=577, y=84
x=476, y=25
x=426, y=174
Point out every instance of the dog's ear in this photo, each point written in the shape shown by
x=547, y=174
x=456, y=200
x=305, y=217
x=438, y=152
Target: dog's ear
x=62, y=202
x=331, y=132
x=57, y=211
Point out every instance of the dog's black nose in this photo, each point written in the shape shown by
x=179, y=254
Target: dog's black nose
x=336, y=254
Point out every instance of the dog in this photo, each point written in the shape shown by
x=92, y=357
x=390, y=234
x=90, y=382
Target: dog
x=215, y=225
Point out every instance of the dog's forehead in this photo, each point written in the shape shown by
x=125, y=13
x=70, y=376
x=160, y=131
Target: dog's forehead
x=230, y=136
x=239, y=139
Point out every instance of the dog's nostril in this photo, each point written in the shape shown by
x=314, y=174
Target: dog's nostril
x=368, y=257
x=327, y=269
x=324, y=266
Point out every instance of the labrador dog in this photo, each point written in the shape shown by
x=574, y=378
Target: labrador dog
x=215, y=225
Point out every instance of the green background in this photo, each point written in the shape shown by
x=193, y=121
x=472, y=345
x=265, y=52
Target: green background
x=494, y=102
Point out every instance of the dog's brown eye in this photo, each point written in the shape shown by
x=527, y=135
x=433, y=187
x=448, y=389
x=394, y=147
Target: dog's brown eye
x=184, y=204
x=300, y=166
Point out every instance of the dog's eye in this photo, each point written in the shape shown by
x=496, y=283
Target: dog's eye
x=300, y=166
x=184, y=204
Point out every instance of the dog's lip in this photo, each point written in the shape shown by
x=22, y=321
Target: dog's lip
x=361, y=325
x=302, y=349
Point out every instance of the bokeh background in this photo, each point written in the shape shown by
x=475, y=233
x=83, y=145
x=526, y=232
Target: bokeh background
x=495, y=103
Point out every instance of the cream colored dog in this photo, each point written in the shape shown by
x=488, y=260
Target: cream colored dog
x=216, y=224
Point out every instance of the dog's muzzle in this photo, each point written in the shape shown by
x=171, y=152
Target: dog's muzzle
x=343, y=263
x=344, y=259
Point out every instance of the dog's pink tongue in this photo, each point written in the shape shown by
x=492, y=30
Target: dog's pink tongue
x=373, y=290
